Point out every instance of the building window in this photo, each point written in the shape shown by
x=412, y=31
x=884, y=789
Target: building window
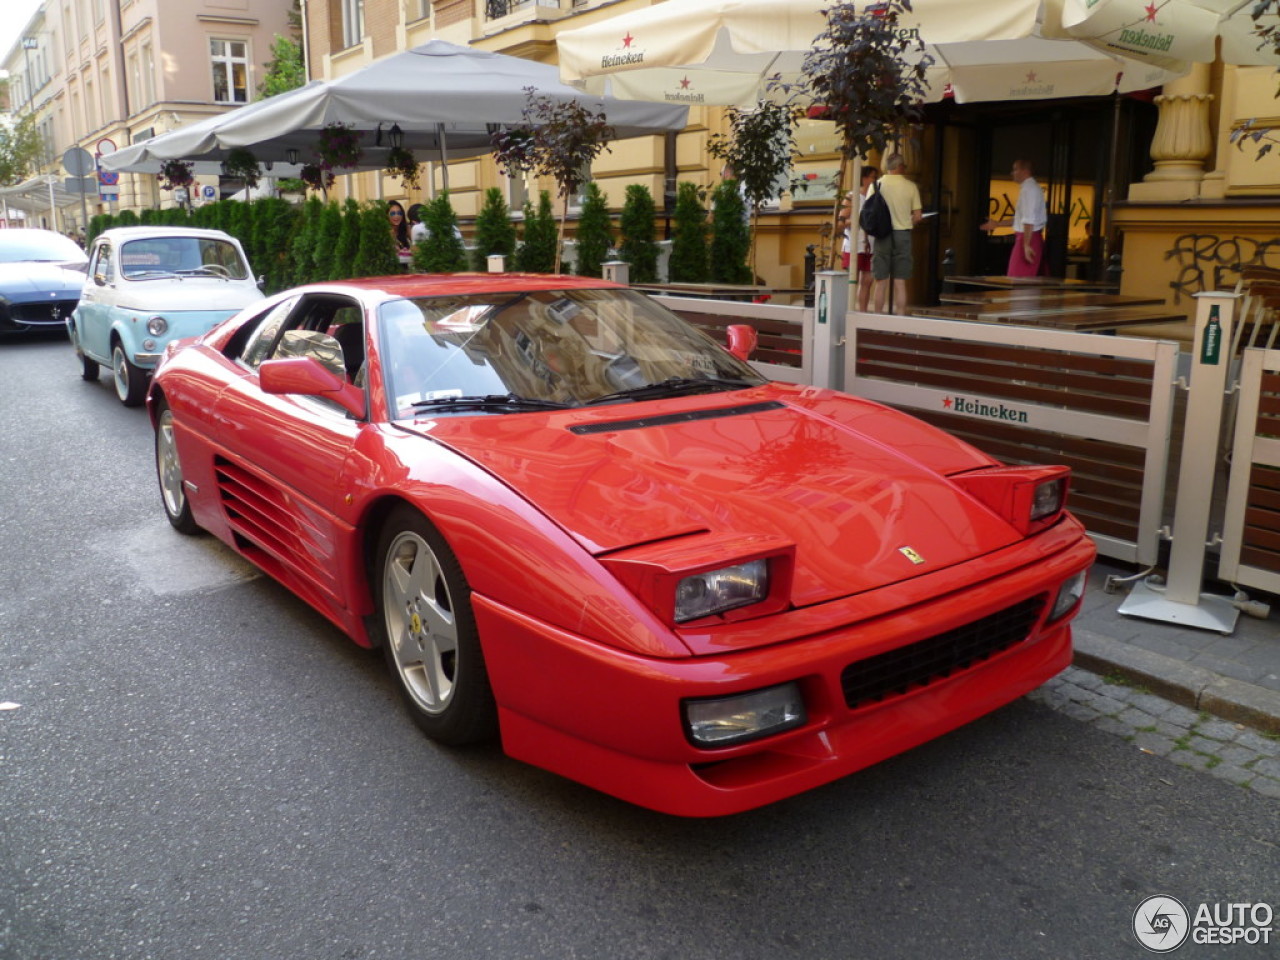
x=147, y=66
x=352, y=22
x=230, y=70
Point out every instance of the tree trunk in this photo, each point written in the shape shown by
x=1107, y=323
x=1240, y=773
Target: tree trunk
x=564, y=215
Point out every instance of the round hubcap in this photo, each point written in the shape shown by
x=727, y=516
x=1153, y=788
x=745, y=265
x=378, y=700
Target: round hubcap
x=168, y=467
x=420, y=622
x=120, y=366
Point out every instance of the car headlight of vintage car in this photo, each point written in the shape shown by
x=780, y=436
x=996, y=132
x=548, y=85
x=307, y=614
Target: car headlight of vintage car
x=716, y=591
x=157, y=326
x=724, y=721
x=1069, y=595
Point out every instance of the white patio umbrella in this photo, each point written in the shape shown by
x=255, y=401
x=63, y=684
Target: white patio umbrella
x=723, y=51
x=1183, y=29
x=441, y=96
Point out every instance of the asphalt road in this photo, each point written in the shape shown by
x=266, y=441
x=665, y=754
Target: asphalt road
x=199, y=766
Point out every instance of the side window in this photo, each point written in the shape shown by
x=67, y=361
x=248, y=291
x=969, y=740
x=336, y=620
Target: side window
x=263, y=334
x=102, y=270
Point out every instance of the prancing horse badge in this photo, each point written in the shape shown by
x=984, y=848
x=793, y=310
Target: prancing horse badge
x=911, y=555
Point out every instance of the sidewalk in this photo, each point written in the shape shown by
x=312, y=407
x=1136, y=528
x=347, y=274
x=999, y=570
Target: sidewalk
x=1234, y=677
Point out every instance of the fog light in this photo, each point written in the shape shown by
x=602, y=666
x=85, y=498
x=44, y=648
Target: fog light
x=722, y=721
x=156, y=326
x=1069, y=595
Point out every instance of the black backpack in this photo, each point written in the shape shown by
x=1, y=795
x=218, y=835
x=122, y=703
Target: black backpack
x=875, y=218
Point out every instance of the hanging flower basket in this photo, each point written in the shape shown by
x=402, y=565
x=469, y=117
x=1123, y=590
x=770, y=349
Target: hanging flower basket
x=174, y=174
x=338, y=148
x=241, y=164
x=403, y=164
x=315, y=177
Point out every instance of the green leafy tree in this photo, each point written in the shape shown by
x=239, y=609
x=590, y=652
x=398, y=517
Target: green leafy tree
x=758, y=150
x=20, y=149
x=540, y=241
x=126, y=218
x=301, y=259
x=285, y=70
x=688, y=262
x=376, y=252
x=324, y=252
x=495, y=233
x=595, y=232
x=731, y=240
x=442, y=251
x=558, y=139
x=639, y=246
x=98, y=223
x=348, y=243
x=272, y=226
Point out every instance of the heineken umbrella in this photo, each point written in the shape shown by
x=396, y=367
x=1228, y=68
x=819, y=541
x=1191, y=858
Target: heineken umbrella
x=438, y=97
x=1179, y=29
x=725, y=51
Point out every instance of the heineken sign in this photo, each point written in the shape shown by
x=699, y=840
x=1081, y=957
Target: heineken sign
x=983, y=409
x=1152, y=30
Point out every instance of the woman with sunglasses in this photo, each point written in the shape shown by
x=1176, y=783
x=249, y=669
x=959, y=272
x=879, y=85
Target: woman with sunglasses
x=399, y=231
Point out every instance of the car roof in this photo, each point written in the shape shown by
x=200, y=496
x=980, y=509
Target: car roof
x=123, y=234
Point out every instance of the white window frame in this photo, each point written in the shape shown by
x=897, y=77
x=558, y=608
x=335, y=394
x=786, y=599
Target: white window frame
x=352, y=22
x=226, y=62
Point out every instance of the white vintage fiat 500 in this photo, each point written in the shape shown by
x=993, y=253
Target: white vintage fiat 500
x=147, y=286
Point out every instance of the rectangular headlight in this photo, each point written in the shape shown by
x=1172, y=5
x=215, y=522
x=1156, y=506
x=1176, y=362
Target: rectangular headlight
x=723, y=721
x=1048, y=498
x=1068, y=595
x=715, y=591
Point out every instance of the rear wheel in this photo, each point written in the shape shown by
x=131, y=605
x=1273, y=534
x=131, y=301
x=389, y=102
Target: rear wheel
x=131, y=380
x=169, y=473
x=428, y=632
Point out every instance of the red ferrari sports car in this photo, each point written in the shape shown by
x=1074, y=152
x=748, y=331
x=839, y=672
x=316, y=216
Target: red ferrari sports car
x=575, y=522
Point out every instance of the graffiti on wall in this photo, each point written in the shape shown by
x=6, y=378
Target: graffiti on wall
x=1204, y=261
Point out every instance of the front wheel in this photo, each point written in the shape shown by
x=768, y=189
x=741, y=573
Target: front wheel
x=88, y=369
x=169, y=473
x=131, y=380
x=428, y=632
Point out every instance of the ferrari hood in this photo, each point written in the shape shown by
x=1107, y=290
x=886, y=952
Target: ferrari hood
x=860, y=512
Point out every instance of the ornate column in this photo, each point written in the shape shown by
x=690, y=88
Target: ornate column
x=1182, y=141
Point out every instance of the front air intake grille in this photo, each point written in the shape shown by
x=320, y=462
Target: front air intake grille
x=927, y=661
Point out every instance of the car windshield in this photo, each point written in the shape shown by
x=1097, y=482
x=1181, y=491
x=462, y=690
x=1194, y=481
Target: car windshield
x=512, y=351
x=26, y=245
x=155, y=257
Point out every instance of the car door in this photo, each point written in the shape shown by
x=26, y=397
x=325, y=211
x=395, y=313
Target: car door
x=93, y=314
x=283, y=483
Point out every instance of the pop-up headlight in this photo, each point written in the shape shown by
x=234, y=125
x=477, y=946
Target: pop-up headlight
x=716, y=591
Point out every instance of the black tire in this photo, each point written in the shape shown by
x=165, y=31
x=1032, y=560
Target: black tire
x=173, y=493
x=427, y=631
x=130, y=380
x=88, y=369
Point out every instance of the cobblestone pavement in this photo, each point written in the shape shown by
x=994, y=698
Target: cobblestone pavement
x=1220, y=748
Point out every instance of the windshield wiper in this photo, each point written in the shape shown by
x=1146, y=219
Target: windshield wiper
x=674, y=386
x=492, y=401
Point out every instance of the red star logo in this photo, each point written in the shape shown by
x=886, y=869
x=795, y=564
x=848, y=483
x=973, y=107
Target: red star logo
x=626, y=41
x=684, y=84
x=1031, y=77
x=1151, y=9
x=946, y=403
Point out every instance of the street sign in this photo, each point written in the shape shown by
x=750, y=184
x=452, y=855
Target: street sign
x=78, y=162
x=80, y=185
x=108, y=178
x=209, y=191
x=106, y=147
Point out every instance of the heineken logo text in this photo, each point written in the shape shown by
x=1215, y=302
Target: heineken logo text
x=1139, y=39
x=980, y=408
x=621, y=59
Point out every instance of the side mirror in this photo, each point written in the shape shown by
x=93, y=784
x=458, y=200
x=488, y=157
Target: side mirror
x=742, y=340
x=262, y=283
x=308, y=377
x=100, y=278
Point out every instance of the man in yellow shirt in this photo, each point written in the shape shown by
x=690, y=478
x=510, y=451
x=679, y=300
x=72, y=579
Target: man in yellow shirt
x=891, y=257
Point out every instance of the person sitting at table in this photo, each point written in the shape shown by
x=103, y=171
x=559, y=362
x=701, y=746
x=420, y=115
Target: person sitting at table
x=1029, y=219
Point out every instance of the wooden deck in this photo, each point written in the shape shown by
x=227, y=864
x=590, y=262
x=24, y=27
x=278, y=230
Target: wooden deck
x=1056, y=306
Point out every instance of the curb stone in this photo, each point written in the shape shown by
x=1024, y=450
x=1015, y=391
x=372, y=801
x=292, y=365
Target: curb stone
x=1193, y=687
